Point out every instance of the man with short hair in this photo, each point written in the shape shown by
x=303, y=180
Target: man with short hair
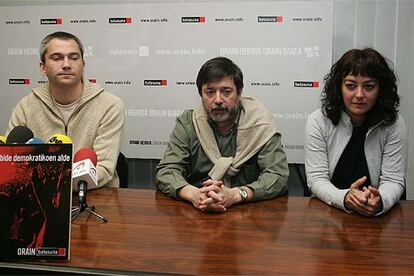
x=228, y=150
x=71, y=105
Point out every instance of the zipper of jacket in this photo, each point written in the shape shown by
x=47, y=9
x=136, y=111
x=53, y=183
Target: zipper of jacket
x=60, y=117
x=54, y=112
x=79, y=107
x=75, y=111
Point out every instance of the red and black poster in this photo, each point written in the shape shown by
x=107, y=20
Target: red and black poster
x=35, y=201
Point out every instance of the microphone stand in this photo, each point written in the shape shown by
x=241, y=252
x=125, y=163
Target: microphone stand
x=82, y=205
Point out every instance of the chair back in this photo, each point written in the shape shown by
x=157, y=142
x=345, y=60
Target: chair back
x=122, y=170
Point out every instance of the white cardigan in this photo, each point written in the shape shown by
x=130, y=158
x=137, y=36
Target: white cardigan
x=385, y=150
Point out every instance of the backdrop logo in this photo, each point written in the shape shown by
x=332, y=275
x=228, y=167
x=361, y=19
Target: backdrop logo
x=155, y=82
x=22, y=51
x=123, y=52
x=140, y=142
x=265, y=83
x=82, y=21
x=306, y=84
x=154, y=20
x=51, y=21
x=269, y=19
x=228, y=19
x=19, y=81
x=180, y=52
x=250, y=51
x=306, y=19
x=17, y=22
x=118, y=82
x=148, y=142
x=153, y=112
x=88, y=51
x=189, y=83
x=92, y=80
x=312, y=51
x=120, y=20
x=193, y=19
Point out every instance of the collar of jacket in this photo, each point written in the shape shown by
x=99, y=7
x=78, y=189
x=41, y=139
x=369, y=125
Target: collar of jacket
x=90, y=91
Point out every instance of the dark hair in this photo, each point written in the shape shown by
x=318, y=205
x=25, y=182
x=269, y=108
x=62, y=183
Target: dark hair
x=367, y=63
x=58, y=35
x=217, y=68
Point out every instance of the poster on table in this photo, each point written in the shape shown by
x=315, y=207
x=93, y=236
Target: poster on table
x=35, y=201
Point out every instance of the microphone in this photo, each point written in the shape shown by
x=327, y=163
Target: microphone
x=2, y=139
x=35, y=140
x=59, y=139
x=84, y=172
x=86, y=153
x=19, y=135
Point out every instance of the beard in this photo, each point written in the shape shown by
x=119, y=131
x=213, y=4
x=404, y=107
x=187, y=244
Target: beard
x=222, y=113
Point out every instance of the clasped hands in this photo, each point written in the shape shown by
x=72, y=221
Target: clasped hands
x=212, y=197
x=366, y=202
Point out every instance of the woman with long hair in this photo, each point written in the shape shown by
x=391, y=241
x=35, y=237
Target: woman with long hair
x=356, y=143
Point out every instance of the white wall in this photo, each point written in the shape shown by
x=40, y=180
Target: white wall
x=387, y=26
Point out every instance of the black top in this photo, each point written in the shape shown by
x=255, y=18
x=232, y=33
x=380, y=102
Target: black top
x=352, y=165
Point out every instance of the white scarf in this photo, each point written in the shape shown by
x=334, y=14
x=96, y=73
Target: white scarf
x=255, y=127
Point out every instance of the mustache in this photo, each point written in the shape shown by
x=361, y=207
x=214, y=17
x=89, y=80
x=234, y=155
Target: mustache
x=220, y=107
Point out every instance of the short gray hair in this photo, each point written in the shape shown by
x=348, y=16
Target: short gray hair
x=58, y=35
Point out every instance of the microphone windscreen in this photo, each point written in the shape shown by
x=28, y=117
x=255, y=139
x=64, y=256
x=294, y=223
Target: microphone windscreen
x=85, y=153
x=59, y=139
x=19, y=135
x=35, y=140
x=3, y=139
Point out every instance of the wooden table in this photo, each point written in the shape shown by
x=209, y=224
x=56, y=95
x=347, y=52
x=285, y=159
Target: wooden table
x=148, y=232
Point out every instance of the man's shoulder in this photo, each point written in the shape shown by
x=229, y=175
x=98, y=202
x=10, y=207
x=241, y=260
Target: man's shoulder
x=29, y=99
x=109, y=96
x=254, y=107
x=186, y=115
x=41, y=91
x=186, y=119
x=102, y=96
